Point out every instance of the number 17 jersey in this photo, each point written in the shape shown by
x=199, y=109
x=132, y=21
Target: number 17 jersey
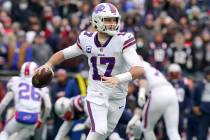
x=106, y=60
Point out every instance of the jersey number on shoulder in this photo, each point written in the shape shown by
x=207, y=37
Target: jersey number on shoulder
x=109, y=61
x=27, y=91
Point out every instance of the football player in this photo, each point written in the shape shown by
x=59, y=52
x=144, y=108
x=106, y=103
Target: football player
x=27, y=101
x=69, y=110
x=113, y=63
x=180, y=83
x=162, y=100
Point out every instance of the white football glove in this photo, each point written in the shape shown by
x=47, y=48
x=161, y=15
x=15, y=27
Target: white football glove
x=141, y=97
x=79, y=127
x=131, y=123
x=137, y=130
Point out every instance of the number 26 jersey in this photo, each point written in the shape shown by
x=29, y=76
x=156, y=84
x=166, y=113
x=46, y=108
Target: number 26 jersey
x=27, y=98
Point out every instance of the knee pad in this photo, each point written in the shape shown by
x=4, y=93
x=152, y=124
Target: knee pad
x=102, y=130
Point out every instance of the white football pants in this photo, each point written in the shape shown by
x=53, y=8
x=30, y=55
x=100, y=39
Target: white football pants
x=104, y=117
x=162, y=101
x=24, y=131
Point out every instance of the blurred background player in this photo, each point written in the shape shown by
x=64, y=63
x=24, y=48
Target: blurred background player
x=70, y=110
x=28, y=101
x=111, y=68
x=162, y=100
x=74, y=109
x=201, y=105
x=180, y=83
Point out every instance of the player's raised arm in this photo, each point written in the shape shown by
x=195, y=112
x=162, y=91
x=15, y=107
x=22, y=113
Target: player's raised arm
x=47, y=104
x=60, y=56
x=9, y=96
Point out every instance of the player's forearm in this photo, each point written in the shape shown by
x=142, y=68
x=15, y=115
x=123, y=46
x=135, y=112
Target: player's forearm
x=48, y=106
x=136, y=72
x=5, y=101
x=63, y=130
x=56, y=58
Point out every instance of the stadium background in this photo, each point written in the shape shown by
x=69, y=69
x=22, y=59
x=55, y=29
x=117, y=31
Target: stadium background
x=166, y=31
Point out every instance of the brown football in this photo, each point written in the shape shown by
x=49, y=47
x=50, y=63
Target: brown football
x=42, y=79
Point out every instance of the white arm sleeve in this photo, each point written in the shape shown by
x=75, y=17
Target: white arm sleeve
x=8, y=97
x=47, y=104
x=131, y=57
x=72, y=51
x=63, y=130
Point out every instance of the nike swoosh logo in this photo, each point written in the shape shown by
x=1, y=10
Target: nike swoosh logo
x=121, y=107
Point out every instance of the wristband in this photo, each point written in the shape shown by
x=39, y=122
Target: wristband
x=124, y=77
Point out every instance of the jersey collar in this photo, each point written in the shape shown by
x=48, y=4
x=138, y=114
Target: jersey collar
x=98, y=44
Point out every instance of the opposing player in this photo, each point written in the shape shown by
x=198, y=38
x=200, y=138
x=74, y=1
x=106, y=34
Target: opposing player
x=162, y=100
x=27, y=101
x=113, y=63
x=69, y=110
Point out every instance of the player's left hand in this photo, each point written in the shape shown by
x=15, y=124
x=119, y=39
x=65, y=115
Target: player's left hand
x=133, y=120
x=111, y=81
x=79, y=127
x=141, y=100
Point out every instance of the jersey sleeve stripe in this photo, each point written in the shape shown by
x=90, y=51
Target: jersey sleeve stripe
x=128, y=45
x=79, y=45
x=128, y=41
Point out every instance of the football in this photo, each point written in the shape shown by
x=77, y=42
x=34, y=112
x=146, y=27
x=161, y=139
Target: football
x=42, y=79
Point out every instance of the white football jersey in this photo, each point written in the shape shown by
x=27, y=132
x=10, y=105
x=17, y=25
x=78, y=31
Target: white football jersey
x=154, y=77
x=106, y=60
x=27, y=98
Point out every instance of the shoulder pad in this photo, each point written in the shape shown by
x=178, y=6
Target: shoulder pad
x=127, y=38
x=13, y=81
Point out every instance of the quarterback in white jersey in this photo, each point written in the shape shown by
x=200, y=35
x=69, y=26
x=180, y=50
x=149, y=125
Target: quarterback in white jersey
x=113, y=63
x=162, y=100
x=27, y=101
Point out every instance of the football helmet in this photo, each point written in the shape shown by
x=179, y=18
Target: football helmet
x=27, y=69
x=174, y=71
x=102, y=11
x=64, y=109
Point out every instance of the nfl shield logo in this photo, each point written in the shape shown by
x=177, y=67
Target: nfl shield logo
x=88, y=49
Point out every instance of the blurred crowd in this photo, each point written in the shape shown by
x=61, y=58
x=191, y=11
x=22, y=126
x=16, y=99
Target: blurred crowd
x=166, y=31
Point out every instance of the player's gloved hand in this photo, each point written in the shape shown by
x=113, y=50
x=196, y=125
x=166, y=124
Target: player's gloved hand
x=141, y=97
x=39, y=124
x=131, y=123
x=137, y=131
x=47, y=67
x=141, y=100
x=79, y=127
x=111, y=81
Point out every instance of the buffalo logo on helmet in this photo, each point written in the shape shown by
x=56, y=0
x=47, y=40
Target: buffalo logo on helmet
x=99, y=8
